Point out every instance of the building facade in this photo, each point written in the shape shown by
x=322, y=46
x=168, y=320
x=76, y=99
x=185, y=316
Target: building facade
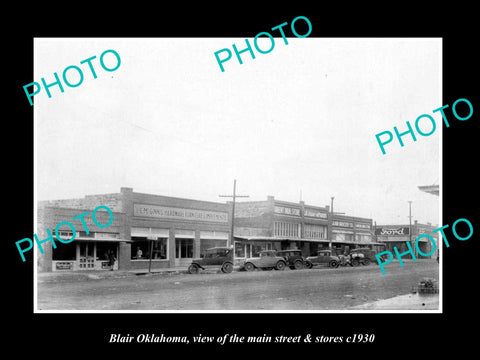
x=152, y=231
x=398, y=236
x=147, y=231
x=280, y=225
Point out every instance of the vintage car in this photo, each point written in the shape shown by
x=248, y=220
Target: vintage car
x=293, y=258
x=324, y=257
x=362, y=256
x=267, y=260
x=217, y=257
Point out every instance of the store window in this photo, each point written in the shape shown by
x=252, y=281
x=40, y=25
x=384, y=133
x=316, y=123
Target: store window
x=65, y=252
x=103, y=248
x=183, y=248
x=211, y=243
x=141, y=247
x=315, y=231
x=240, y=249
x=286, y=229
x=363, y=238
x=342, y=237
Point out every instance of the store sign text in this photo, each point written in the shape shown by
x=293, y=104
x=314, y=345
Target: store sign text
x=315, y=213
x=287, y=210
x=178, y=213
x=342, y=223
x=410, y=251
x=392, y=231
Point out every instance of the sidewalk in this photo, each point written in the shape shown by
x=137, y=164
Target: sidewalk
x=85, y=275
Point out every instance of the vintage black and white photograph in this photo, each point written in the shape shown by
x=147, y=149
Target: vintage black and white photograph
x=270, y=174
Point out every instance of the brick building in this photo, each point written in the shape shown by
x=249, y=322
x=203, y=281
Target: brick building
x=171, y=230
x=398, y=235
x=153, y=231
x=276, y=224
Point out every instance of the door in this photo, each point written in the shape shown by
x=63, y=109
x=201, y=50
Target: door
x=183, y=252
x=87, y=255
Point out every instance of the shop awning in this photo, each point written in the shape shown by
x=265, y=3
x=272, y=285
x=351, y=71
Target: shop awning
x=80, y=238
x=273, y=238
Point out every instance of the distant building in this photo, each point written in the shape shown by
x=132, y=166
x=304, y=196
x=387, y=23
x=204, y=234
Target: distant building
x=397, y=235
x=431, y=189
x=277, y=224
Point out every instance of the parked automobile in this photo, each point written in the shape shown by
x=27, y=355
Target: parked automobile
x=266, y=260
x=362, y=256
x=217, y=257
x=324, y=257
x=293, y=258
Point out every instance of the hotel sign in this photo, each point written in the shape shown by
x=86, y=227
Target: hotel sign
x=164, y=212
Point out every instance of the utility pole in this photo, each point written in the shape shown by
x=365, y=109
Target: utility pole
x=233, y=196
x=331, y=209
x=410, y=221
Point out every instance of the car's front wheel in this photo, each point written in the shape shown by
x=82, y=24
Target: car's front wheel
x=298, y=265
x=193, y=269
x=366, y=261
x=355, y=262
x=249, y=267
x=227, y=267
x=280, y=265
x=334, y=264
x=308, y=265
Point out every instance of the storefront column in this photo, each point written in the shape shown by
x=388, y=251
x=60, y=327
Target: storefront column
x=171, y=248
x=196, y=244
x=124, y=251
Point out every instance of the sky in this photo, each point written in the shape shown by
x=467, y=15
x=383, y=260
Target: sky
x=296, y=123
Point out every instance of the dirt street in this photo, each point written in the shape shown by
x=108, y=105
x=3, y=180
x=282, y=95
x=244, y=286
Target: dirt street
x=317, y=289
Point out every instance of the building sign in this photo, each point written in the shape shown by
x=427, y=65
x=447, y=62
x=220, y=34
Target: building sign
x=179, y=213
x=362, y=226
x=101, y=235
x=342, y=223
x=315, y=213
x=64, y=265
x=392, y=231
x=287, y=210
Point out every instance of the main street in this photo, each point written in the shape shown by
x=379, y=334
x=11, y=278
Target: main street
x=310, y=289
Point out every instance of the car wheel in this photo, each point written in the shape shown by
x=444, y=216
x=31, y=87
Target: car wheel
x=227, y=267
x=280, y=265
x=249, y=267
x=355, y=262
x=366, y=262
x=193, y=269
x=308, y=265
x=298, y=265
x=334, y=264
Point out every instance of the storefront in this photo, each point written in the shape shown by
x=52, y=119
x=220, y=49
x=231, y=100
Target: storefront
x=148, y=232
x=398, y=236
x=395, y=236
x=86, y=252
x=81, y=250
x=180, y=229
x=250, y=246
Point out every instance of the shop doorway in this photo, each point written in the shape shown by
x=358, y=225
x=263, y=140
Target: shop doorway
x=87, y=255
x=183, y=252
